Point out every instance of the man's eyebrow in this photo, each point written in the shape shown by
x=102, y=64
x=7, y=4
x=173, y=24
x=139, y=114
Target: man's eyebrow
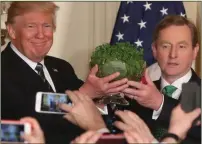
x=164, y=41
x=183, y=42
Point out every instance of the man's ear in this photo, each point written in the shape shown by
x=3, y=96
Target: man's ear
x=154, y=47
x=196, y=49
x=11, y=31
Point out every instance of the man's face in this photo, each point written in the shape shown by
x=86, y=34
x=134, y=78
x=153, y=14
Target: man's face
x=174, y=52
x=32, y=34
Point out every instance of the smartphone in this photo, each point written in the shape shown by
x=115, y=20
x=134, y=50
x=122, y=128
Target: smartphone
x=48, y=102
x=112, y=139
x=190, y=96
x=11, y=131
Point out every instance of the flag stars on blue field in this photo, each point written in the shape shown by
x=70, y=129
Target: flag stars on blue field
x=147, y=6
x=164, y=11
x=125, y=18
x=128, y=2
x=142, y=24
x=137, y=19
x=120, y=36
x=139, y=43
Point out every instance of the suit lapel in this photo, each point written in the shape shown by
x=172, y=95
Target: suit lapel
x=54, y=73
x=158, y=84
x=194, y=78
x=24, y=74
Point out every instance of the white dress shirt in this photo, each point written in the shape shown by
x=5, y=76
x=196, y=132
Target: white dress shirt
x=33, y=66
x=176, y=94
x=154, y=71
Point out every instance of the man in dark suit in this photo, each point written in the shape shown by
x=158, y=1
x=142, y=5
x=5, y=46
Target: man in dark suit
x=175, y=46
x=27, y=70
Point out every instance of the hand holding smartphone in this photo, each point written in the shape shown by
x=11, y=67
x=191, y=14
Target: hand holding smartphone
x=48, y=102
x=11, y=131
x=191, y=98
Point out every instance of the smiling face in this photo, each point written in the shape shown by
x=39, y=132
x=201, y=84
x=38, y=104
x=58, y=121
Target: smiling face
x=32, y=34
x=174, y=52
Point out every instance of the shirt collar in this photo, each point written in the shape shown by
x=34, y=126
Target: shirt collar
x=28, y=61
x=178, y=83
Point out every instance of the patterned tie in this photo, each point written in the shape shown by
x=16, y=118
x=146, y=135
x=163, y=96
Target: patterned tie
x=39, y=69
x=167, y=91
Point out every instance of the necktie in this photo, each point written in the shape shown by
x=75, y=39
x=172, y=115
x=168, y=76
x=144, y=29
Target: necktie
x=167, y=91
x=39, y=69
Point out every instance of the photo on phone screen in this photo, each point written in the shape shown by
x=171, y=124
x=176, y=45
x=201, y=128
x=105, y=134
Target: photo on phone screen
x=49, y=102
x=11, y=131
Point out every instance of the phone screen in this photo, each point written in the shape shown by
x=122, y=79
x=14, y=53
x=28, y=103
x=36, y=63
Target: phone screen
x=12, y=132
x=50, y=101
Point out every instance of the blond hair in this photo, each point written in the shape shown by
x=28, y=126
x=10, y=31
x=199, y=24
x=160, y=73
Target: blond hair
x=20, y=8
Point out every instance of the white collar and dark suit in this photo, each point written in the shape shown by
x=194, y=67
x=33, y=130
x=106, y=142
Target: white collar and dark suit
x=34, y=64
x=194, y=134
x=19, y=85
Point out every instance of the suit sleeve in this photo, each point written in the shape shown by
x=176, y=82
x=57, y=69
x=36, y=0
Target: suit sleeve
x=74, y=82
x=169, y=104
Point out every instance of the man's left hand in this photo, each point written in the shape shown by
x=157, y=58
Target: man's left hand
x=145, y=94
x=96, y=87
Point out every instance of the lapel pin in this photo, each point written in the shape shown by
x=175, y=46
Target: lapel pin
x=55, y=70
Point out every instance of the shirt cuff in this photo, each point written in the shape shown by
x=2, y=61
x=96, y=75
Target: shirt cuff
x=158, y=112
x=103, y=111
x=103, y=130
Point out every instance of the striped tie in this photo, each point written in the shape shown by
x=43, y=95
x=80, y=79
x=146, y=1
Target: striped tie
x=39, y=69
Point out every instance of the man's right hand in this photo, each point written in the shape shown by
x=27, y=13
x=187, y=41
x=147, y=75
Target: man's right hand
x=135, y=130
x=96, y=87
x=82, y=112
x=181, y=121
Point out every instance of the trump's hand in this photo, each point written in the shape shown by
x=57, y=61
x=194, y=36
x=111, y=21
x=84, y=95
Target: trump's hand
x=96, y=87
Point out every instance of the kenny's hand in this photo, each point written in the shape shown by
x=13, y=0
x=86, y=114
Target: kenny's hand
x=146, y=95
x=82, y=112
x=96, y=87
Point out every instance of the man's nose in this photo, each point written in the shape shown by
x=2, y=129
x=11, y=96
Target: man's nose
x=173, y=52
x=40, y=32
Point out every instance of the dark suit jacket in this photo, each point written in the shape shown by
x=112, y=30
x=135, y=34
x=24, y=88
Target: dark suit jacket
x=19, y=86
x=194, y=134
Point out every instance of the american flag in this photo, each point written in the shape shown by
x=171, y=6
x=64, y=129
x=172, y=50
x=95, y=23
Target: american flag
x=136, y=21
